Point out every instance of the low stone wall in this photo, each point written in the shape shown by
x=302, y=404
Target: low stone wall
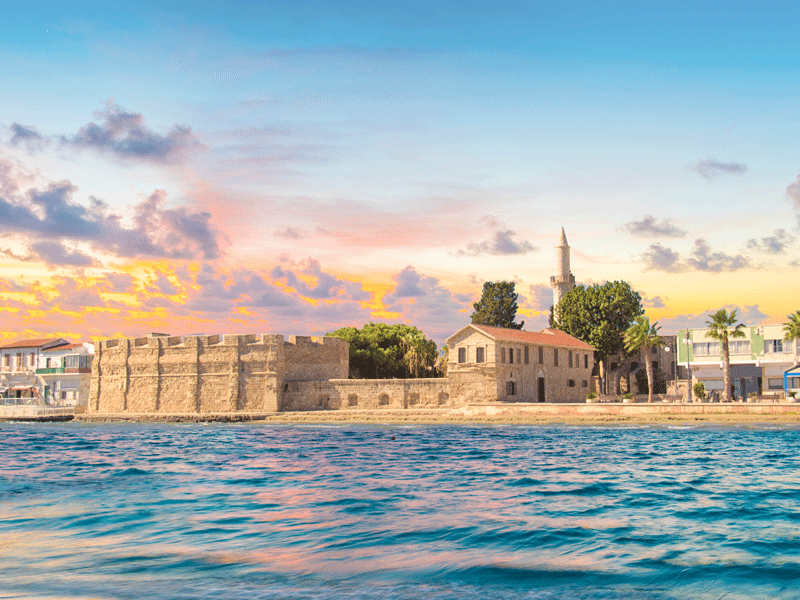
x=354, y=394
x=569, y=410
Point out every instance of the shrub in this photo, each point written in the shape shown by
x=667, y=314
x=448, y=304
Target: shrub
x=699, y=390
x=627, y=395
x=592, y=395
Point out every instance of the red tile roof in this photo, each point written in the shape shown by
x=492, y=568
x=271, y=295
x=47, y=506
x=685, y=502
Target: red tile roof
x=545, y=337
x=35, y=343
x=64, y=347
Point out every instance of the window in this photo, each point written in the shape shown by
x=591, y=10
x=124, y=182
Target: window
x=555, y=357
x=584, y=383
x=775, y=383
x=33, y=360
x=655, y=365
x=19, y=361
x=739, y=347
x=527, y=357
x=511, y=356
x=541, y=355
x=569, y=353
x=502, y=355
x=585, y=361
x=71, y=361
x=791, y=382
x=654, y=350
x=773, y=346
x=706, y=349
x=7, y=360
x=510, y=390
x=571, y=383
x=462, y=355
x=479, y=355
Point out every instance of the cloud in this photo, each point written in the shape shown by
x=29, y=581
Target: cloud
x=703, y=259
x=501, y=243
x=711, y=168
x=654, y=302
x=124, y=136
x=290, y=233
x=773, y=244
x=793, y=192
x=749, y=315
x=661, y=258
x=56, y=254
x=22, y=135
x=424, y=302
x=649, y=226
x=323, y=286
x=541, y=297
x=51, y=214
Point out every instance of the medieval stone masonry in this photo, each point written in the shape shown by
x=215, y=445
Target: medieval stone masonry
x=265, y=373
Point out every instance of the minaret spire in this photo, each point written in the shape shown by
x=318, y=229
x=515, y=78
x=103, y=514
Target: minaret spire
x=563, y=280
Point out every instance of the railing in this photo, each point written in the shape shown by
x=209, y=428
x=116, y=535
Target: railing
x=33, y=410
x=50, y=371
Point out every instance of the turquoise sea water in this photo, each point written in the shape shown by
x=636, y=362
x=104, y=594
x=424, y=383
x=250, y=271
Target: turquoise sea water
x=442, y=512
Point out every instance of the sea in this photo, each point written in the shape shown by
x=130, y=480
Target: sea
x=384, y=512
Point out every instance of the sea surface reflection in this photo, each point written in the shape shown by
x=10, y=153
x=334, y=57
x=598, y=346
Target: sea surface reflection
x=262, y=511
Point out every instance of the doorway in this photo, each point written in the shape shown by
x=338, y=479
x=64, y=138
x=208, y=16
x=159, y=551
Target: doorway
x=541, y=389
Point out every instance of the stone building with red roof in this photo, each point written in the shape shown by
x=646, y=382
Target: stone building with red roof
x=495, y=364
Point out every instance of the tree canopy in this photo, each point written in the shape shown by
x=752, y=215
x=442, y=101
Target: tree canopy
x=791, y=331
x=641, y=335
x=497, y=306
x=381, y=351
x=599, y=315
x=722, y=326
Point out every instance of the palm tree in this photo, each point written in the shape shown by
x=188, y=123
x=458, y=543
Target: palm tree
x=723, y=326
x=641, y=335
x=791, y=331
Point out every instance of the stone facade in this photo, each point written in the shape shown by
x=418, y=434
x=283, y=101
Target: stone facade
x=207, y=373
x=372, y=394
x=508, y=365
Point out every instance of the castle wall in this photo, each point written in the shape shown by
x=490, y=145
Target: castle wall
x=234, y=373
x=354, y=394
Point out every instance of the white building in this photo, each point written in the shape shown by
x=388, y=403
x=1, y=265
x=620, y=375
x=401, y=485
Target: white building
x=45, y=370
x=758, y=360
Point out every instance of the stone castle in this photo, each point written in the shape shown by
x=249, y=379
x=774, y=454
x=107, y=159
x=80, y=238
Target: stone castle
x=266, y=373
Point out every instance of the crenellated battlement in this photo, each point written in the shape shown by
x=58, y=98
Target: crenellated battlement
x=209, y=373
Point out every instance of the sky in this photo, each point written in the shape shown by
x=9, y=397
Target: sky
x=297, y=167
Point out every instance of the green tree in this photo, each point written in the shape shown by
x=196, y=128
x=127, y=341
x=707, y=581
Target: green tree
x=497, y=306
x=381, y=351
x=599, y=315
x=791, y=331
x=643, y=336
x=722, y=326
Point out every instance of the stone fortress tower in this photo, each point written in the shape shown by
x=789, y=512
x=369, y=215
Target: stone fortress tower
x=563, y=281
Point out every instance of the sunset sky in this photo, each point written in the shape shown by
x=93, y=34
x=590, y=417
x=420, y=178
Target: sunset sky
x=295, y=167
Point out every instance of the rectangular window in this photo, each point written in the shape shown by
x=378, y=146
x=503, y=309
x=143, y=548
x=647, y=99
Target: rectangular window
x=569, y=353
x=527, y=357
x=706, y=349
x=793, y=383
x=571, y=383
x=7, y=360
x=511, y=356
x=655, y=365
x=510, y=391
x=33, y=360
x=555, y=357
x=71, y=362
x=19, y=361
x=502, y=355
x=462, y=355
x=654, y=350
x=47, y=363
x=541, y=355
x=584, y=383
x=739, y=347
x=585, y=361
x=775, y=383
x=773, y=346
x=479, y=355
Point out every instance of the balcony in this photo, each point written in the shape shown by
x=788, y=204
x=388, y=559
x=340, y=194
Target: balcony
x=50, y=371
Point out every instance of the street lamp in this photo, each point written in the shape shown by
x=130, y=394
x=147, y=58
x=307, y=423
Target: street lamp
x=686, y=340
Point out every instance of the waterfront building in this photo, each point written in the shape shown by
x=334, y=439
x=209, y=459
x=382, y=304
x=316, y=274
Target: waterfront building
x=18, y=363
x=511, y=365
x=758, y=361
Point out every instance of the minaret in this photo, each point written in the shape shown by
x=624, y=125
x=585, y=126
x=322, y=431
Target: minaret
x=563, y=281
